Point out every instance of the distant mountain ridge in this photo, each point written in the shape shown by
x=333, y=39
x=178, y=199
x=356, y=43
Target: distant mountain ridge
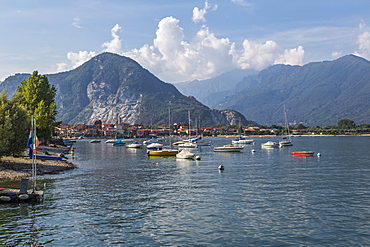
x=210, y=91
x=112, y=88
x=317, y=94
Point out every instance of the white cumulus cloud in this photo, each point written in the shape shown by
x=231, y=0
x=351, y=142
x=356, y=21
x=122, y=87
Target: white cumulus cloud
x=199, y=14
x=291, y=56
x=78, y=58
x=256, y=55
x=114, y=45
x=174, y=59
x=363, y=41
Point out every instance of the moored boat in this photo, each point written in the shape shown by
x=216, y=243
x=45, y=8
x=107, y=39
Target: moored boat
x=242, y=140
x=287, y=141
x=112, y=140
x=270, y=144
x=303, y=153
x=228, y=148
x=155, y=146
x=95, y=141
x=134, y=145
x=163, y=152
x=185, y=154
x=119, y=143
x=188, y=145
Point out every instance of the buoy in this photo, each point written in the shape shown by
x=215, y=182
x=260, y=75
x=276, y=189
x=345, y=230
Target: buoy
x=23, y=197
x=253, y=150
x=221, y=167
x=197, y=157
x=318, y=154
x=5, y=198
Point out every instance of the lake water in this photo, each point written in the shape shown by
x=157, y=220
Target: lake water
x=120, y=197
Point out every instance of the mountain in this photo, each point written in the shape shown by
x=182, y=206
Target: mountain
x=110, y=87
x=210, y=91
x=316, y=94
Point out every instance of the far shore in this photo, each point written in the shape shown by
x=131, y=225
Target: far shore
x=15, y=168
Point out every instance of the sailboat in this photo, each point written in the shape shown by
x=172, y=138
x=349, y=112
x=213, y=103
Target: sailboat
x=189, y=142
x=169, y=151
x=287, y=141
x=241, y=139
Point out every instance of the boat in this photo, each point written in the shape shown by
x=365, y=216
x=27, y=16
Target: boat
x=303, y=153
x=200, y=142
x=163, y=152
x=152, y=140
x=112, y=140
x=134, y=145
x=168, y=151
x=270, y=144
x=155, y=146
x=119, y=143
x=242, y=140
x=287, y=141
x=188, y=145
x=48, y=157
x=185, y=154
x=228, y=148
x=95, y=141
x=178, y=142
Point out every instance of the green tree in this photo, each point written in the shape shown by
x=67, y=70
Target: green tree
x=346, y=124
x=14, y=127
x=37, y=96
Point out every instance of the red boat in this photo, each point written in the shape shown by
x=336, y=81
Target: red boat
x=303, y=153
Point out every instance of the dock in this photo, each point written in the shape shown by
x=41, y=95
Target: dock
x=21, y=195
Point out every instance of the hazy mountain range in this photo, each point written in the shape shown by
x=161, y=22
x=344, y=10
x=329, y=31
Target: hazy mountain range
x=318, y=93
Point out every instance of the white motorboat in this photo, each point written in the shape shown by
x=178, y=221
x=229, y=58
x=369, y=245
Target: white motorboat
x=112, y=140
x=228, y=148
x=187, y=145
x=95, y=141
x=134, y=145
x=155, y=146
x=242, y=140
x=185, y=154
x=270, y=144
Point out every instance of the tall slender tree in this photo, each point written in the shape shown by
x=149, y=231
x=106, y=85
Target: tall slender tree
x=37, y=96
x=14, y=127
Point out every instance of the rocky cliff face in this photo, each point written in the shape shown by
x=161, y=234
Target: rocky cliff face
x=110, y=106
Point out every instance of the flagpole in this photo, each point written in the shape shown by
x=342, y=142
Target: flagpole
x=34, y=172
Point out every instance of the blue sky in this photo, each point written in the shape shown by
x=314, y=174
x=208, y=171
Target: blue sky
x=183, y=39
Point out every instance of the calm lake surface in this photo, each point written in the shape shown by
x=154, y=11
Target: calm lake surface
x=120, y=197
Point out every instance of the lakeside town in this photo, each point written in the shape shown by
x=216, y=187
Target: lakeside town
x=125, y=130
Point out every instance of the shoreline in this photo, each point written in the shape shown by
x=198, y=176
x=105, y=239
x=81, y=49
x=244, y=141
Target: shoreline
x=15, y=168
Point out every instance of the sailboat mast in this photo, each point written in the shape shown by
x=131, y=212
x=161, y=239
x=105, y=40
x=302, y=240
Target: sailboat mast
x=286, y=123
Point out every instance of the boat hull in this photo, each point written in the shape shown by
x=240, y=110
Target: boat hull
x=163, y=152
x=227, y=149
x=303, y=153
x=48, y=157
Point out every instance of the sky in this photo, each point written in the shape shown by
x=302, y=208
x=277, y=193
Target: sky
x=180, y=40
